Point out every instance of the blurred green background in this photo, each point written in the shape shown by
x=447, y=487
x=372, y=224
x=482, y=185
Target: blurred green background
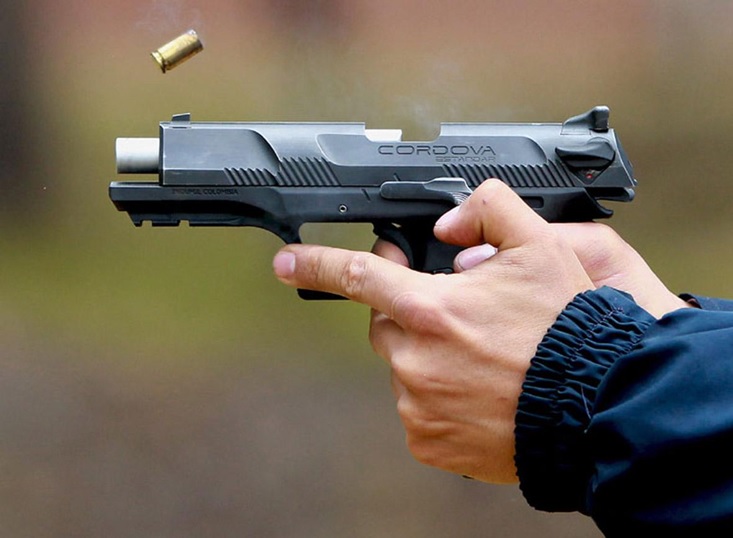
x=160, y=382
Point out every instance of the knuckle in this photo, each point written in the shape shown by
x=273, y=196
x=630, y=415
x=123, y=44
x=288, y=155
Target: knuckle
x=410, y=375
x=485, y=191
x=482, y=197
x=427, y=380
x=406, y=411
x=423, y=451
x=606, y=247
x=414, y=419
x=354, y=276
x=420, y=313
x=428, y=446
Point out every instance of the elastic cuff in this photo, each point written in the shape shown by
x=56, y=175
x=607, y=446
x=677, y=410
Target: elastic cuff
x=558, y=395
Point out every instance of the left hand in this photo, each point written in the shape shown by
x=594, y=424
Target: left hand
x=459, y=345
x=606, y=257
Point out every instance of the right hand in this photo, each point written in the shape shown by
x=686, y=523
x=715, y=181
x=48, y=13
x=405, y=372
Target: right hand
x=458, y=345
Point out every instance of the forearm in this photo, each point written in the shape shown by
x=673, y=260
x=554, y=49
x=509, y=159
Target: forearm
x=561, y=386
x=639, y=431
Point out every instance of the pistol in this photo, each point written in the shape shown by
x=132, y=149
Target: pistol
x=279, y=176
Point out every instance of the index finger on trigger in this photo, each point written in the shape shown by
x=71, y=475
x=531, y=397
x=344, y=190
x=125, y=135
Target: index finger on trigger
x=390, y=251
x=360, y=276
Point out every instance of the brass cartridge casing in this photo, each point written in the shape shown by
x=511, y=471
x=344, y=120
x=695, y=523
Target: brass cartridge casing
x=178, y=51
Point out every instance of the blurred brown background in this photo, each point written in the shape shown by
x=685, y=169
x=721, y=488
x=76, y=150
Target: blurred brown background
x=160, y=382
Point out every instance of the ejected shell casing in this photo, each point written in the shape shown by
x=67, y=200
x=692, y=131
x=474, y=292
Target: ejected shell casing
x=178, y=51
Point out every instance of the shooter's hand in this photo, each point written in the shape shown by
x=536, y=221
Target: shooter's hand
x=459, y=345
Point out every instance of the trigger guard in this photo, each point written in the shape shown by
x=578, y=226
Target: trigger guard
x=423, y=250
x=289, y=234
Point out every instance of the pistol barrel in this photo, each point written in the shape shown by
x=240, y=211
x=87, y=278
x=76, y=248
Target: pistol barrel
x=138, y=155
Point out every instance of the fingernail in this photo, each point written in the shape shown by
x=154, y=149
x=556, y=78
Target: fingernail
x=284, y=264
x=448, y=218
x=473, y=256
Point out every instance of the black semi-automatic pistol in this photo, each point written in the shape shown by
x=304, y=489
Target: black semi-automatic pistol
x=279, y=176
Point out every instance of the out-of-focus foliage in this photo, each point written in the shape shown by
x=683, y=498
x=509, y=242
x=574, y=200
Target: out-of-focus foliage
x=160, y=381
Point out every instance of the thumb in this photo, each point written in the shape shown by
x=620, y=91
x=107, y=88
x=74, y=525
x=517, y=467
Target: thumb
x=611, y=261
x=493, y=214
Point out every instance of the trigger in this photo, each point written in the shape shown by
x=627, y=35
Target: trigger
x=391, y=233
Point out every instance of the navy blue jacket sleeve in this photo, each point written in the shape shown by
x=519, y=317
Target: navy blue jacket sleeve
x=709, y=303
x=629, y=419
